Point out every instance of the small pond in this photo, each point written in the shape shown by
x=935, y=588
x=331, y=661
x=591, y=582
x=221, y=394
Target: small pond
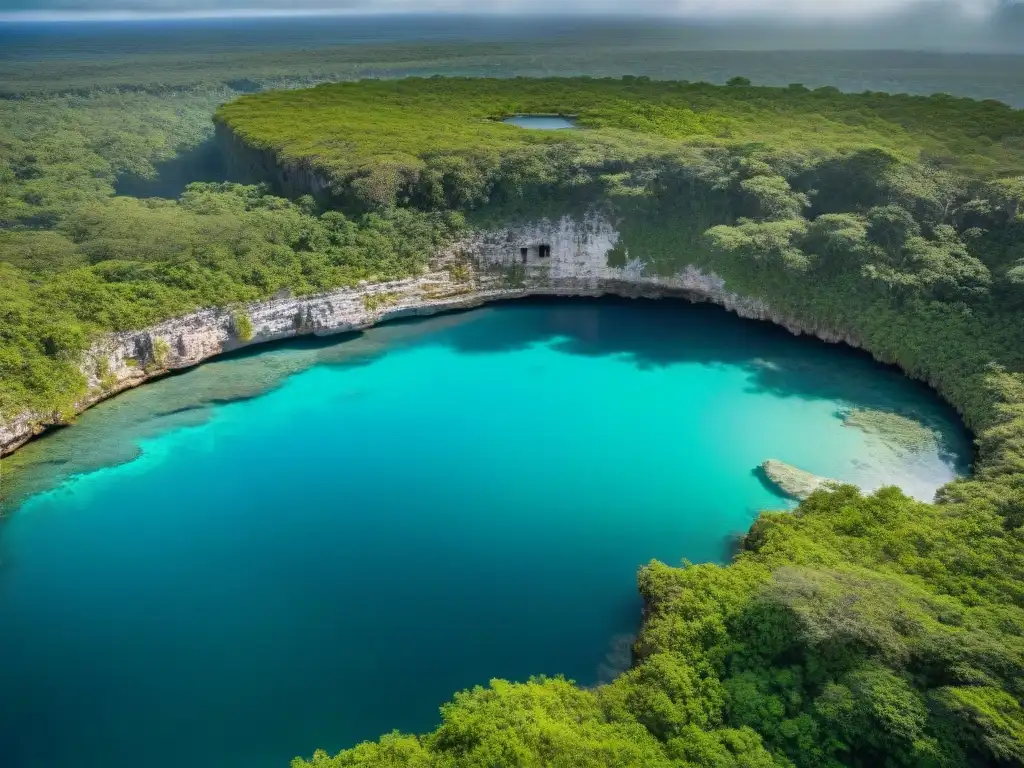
x=541, y=122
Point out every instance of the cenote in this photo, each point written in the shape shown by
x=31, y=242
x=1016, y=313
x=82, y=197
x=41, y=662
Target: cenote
x=311, y=544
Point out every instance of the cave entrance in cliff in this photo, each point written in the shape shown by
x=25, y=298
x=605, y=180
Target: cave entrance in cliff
x=544, y=250
x=523, y=253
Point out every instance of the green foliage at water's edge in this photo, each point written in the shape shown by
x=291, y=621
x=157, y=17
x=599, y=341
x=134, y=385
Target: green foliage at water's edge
x=857, y=630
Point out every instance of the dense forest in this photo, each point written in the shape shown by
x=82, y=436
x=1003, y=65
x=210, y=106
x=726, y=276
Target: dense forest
x=857, y=630
x=77, y=260
x=404, y=128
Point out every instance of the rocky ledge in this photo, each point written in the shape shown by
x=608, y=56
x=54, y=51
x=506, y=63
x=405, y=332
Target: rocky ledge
x=567, y=257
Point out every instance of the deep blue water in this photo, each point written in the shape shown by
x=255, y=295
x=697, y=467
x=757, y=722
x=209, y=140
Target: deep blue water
x=313, y=544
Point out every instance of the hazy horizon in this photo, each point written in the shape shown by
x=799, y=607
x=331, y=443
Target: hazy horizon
x=970, y=11
x=941, y=27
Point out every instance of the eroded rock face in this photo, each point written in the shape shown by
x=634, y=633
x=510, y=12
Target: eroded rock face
x=567, y=257
x=19, y=430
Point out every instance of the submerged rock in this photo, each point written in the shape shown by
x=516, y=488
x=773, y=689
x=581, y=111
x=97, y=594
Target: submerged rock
x=902, y=433
x=792, y=481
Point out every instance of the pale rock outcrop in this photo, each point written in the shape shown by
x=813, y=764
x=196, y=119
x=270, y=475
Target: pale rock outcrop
x=793, y=481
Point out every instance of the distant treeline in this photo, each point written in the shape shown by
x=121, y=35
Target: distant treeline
x=655, y=52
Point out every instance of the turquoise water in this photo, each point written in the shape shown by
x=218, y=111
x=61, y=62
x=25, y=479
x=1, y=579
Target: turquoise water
x=540, y=122
x=316, y=543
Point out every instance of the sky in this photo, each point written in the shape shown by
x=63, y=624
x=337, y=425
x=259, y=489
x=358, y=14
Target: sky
x=971, y=11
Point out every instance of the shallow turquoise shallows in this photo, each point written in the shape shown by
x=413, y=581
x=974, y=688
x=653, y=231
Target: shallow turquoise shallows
x=310, y=545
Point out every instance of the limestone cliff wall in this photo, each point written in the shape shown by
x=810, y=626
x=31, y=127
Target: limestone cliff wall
x=488, y=266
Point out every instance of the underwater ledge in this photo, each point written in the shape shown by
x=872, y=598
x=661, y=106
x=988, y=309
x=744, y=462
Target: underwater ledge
x=483, y=268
